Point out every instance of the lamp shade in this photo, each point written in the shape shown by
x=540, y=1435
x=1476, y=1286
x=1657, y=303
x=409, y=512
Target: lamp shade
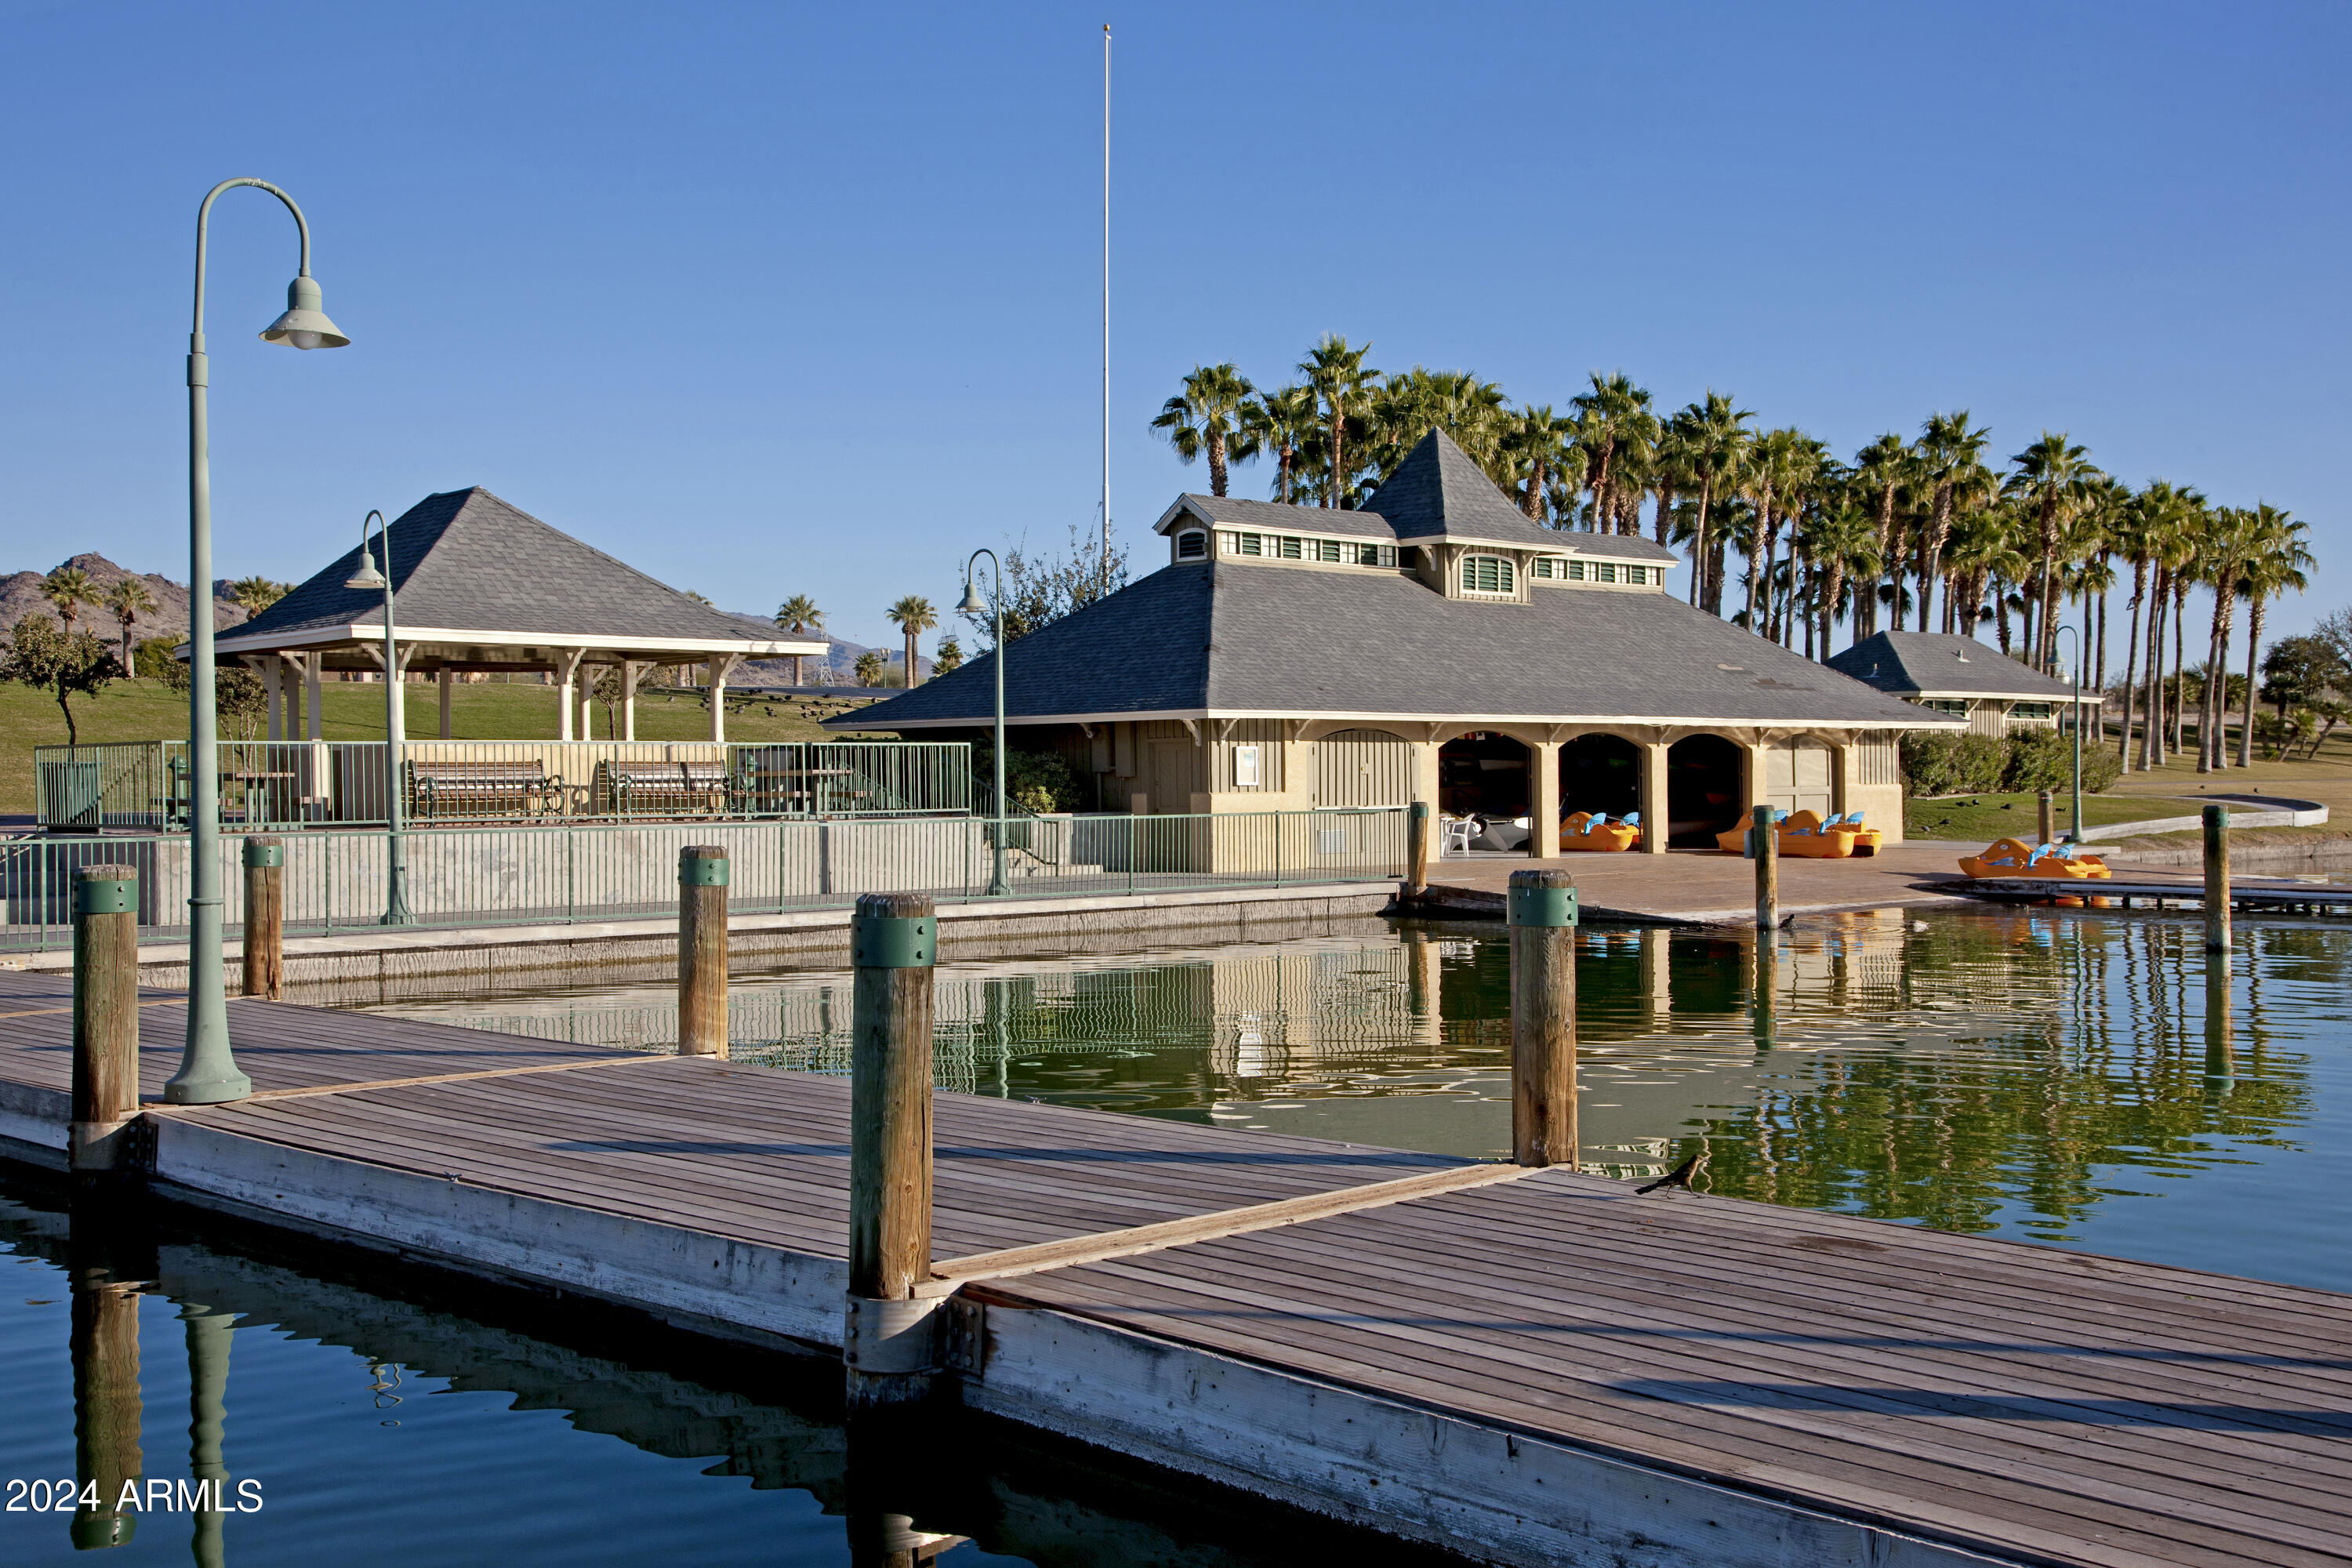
x=304, y=325
x=367, y=576
x=971, y=605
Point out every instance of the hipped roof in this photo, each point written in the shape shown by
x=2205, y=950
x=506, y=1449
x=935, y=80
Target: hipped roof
x=1223, y=639
x=1945, y=665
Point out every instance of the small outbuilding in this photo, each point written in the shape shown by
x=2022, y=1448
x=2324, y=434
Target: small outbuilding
x=1436, y=644
x=482, y=587
x=1960, y=677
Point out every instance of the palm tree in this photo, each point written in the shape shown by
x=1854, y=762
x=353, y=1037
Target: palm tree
x=1951, y=454
x=255, y=594
x=2051, y=474
x=1709, y=445
x=1883, y=468
x=68, y=588
x=1981, y=553
x=1612, y=417
x=1207, y=417
x=129, y=598
x=2274, y=565
x=2229, y=538
x=1537, y=443
x=1843, y=541
x=871, y=666
x=1773, y=463
x=799, y=616
x=915, y=617
x=1338, y=375
x=1281, y=421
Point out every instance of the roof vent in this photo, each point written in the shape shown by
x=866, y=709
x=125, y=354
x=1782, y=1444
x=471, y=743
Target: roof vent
x=1741, y=667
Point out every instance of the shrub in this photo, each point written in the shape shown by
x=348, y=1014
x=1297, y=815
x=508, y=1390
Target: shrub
x=152, y=661
x=1034, y=781
x=2044, y=758
x=1950, y=764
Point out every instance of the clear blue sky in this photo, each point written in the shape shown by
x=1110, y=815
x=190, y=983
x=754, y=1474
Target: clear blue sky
x=768, y=299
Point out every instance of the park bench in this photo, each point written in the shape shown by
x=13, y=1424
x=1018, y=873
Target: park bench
x=659, y=789
x=440, y=790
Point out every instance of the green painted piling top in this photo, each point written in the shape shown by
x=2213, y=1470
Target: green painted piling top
x=1542, y=897
x=702, y=866
x=894, y=930
x=262, y=852
x=106, y=890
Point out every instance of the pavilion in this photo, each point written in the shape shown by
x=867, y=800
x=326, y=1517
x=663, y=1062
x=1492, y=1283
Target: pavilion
x=482, y=587
x=1436, y=644
x=1960, y=675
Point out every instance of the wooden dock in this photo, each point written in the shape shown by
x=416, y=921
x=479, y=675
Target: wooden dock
x=1531, y=1365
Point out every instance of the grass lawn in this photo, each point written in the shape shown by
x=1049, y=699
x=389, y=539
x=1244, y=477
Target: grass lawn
x=1986, y=817
x=151, y=710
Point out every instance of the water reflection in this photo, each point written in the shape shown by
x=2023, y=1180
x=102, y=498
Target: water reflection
x=380, y=1414
x=2088, y=1078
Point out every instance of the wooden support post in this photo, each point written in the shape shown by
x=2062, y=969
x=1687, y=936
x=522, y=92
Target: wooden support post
x=2220, y=1040
x=1416, y=851
x=889, y=1343
x=105, y=1017
x=2048, y=827
x=446, y=681
x=702, y=870
x=2216, y=878
x=1543, y=1019
x=1543, y=823
x=265, y=917
x=1765, y=837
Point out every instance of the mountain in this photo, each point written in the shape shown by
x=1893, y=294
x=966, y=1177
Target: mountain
x=20, y=595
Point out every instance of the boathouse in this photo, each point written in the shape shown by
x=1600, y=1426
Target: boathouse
x=1962, y=677
x=1436, y=644
x=485, y=587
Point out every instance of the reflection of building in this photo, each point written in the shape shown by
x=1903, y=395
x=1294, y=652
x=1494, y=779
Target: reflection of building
x=1436, y=646
x=1962, y=677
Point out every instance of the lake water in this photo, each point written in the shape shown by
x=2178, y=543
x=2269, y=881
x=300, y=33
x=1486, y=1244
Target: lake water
x=2051, y=1076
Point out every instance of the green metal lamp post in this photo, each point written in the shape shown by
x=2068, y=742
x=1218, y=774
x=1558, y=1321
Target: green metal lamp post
x=2074, y=834
x=395, y=724
x=999, y=884
x=208, y=1073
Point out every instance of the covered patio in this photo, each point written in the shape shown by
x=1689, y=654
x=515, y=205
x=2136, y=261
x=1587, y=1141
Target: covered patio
x=482, y=587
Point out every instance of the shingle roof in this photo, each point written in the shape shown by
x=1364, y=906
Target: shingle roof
x=466, y=561
x=1225, y=638
x=1939, y=664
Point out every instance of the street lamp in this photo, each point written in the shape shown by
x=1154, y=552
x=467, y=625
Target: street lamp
x=395, y=722
x=208, y=1073
x=2074, y=834
x=999, y=884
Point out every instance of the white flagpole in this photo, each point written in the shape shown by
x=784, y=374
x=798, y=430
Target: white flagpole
x=1106, y=314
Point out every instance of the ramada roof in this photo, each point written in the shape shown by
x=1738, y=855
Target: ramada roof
x=464, y=562
x=1436, y=493
x=1219, y=639
x=1934, y=665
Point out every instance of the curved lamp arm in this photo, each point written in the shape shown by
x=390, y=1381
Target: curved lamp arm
x=203, y=217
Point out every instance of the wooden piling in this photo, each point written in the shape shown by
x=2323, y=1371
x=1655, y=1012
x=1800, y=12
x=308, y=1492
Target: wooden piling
x=1417, y=832
x=702, y=873
x=889, y=1343
x=2048, y=829
x=265, y=917
x=108, y=1411
x=105, y=1016
x=1543, y=1017
x=2216, y=878
x=1764, y=833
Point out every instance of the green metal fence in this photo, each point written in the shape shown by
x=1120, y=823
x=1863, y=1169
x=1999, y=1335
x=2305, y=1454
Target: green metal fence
x=562, y=873
x=306, y=783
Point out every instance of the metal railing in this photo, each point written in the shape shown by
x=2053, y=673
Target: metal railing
x=305, y=784
x=567, y=872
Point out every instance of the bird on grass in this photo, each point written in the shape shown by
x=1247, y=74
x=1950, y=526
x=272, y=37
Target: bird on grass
x=1680, y=1176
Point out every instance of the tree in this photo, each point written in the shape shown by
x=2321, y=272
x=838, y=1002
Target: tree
x=1951, y=454
x=1537, y=446
x=948, y=656
x=129, y=598
x=914, y=616
x=239, y=697
x=1614, y=424
x=2274, y=566
x=2051, y=474
x=1844, y=541
x=871, y=666
x=1208, y=416
x=799, y=616
x=66, y=664
x=1338, y=375
x=1039, y=590
x=68, y=588
x=257, y=594
x=1883, y=468
x=2301, y=670
x=2221, y=564
x=1709, y=444
x=1282, y=421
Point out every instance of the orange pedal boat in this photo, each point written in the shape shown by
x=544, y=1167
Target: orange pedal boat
x=1590, y=830
x=2016, y=857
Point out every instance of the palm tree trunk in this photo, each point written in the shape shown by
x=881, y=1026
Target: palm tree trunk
x=1931, y=565
x=1832, y=583
x=1665, y=493
x=2179, y=673
x=1700, y=541
x=2205, y=746
x=2253, y=642
x=2131, y=660
x=1889, y=566
x=2151, y=731
x=1217, y=487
